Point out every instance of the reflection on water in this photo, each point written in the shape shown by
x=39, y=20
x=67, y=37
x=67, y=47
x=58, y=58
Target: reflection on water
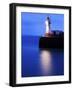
x=36, y=62
x=46, y=62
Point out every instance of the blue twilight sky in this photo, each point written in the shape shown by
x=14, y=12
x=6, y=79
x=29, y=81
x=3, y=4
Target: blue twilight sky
x=34, y=23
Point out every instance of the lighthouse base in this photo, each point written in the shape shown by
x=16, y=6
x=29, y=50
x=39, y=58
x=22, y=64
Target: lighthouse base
x=51, y=42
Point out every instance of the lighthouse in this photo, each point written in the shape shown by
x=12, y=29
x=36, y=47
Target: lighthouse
x=52, y=38
x=48, y=29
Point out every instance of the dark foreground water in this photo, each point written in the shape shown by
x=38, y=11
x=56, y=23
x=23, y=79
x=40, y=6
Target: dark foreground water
x=36, y=62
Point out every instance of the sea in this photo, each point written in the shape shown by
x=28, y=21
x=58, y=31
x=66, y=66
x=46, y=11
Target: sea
x=36, y=62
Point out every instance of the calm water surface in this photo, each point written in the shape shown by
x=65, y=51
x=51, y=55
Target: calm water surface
x=36, y=62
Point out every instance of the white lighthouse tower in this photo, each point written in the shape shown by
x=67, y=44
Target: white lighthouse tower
x=47, y=24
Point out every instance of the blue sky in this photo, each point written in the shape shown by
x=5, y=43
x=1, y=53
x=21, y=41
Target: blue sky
x=34, y=23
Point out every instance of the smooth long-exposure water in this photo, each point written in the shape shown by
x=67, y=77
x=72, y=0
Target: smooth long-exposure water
x=36, y=62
